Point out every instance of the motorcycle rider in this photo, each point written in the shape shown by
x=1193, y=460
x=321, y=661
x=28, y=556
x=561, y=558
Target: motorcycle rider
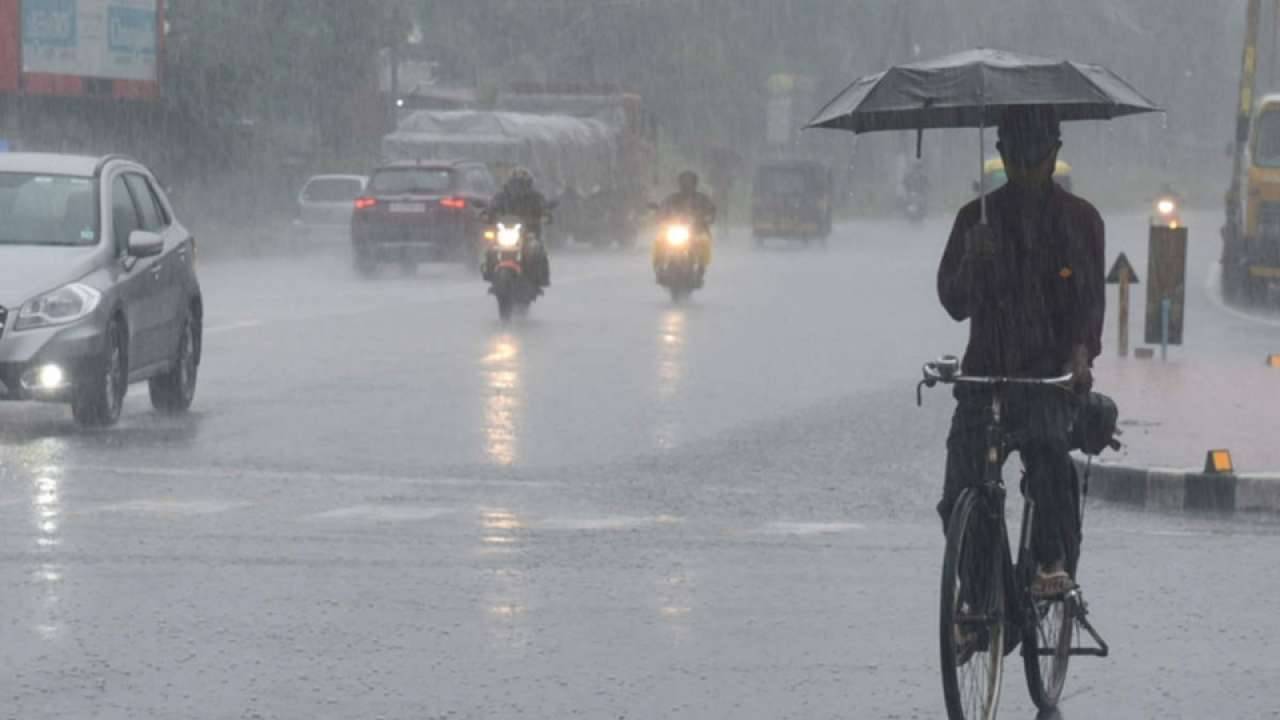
x=688, y=202
x=520, y=198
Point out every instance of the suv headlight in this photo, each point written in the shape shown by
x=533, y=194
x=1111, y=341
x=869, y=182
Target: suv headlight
x=67, y=304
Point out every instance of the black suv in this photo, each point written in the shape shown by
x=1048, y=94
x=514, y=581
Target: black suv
x=414, y=212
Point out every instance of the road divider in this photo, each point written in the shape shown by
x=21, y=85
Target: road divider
x=1174, y=490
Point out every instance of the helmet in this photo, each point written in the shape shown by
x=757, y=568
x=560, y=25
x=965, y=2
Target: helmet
x=521, y=179
x=688, y=181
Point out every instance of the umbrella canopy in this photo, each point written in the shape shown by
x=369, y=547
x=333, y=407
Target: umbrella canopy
x=973, y=89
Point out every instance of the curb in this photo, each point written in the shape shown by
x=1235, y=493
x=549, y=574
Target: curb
x=1180, y=490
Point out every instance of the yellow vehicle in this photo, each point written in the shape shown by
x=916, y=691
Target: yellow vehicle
x=1251, y=235
x=993, y=175
x=1251, y=259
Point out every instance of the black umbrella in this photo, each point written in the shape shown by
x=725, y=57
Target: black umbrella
x=973, y=89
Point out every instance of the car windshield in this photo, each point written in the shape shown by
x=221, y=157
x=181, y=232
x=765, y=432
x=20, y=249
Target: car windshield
x=412, y=180
x=332, y=190
x=1267, y=149
x=782, y=182
x=38, y=209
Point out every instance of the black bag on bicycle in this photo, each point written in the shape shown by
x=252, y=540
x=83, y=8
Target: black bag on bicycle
x=1096, y=424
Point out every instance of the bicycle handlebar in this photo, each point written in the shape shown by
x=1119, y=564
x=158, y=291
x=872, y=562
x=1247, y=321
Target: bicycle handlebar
x=947, y=371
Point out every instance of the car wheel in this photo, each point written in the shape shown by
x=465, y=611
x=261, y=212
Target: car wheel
x=173, y=391
x=98, y=399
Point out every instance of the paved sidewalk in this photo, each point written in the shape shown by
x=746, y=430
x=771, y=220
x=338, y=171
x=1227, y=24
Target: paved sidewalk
x=1173, y=413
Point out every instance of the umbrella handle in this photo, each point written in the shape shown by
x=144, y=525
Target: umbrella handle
x=982, y=148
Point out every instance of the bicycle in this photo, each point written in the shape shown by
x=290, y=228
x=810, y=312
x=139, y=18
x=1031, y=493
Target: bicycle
x=985, y=596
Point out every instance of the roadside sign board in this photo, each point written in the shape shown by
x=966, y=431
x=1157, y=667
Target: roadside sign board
x=113, y=39
x=1166, y=280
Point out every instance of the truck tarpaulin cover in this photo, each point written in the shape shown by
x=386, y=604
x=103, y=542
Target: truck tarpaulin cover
x=561, y=151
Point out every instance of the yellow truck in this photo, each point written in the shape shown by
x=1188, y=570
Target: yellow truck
x=1251, y=250
x=1251, y=235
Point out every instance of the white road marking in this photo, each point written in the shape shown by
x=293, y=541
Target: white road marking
x=606, y=522
x=1213, y=289
x=168, y=506
x=310, y=476
x=810, y=528
x=384, y=513
x=242, y=325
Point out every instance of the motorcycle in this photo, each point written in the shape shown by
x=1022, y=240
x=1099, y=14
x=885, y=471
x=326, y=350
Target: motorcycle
x=913, y=206
x=1167, y=211
x=510, y=251
x=678, y=261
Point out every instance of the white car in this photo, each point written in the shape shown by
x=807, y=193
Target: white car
x=325, y=204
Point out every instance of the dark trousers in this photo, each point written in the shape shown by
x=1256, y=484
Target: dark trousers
x=1040, y=420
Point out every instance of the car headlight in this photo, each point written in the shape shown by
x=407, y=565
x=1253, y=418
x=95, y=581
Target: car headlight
x=65, y=305
x=508, y=237
x=1166, y=206
x=678, y=235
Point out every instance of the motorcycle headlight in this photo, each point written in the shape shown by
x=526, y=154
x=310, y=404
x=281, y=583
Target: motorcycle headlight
x=508, y=237
x=65, y=305
x=1166, y=206
x=678, y=235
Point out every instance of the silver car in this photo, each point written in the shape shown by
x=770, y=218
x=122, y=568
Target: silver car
x=97, y=286
x=326, y=202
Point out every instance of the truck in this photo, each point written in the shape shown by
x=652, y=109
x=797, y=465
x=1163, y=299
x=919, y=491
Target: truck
x=592, y=150
x=1251, y=233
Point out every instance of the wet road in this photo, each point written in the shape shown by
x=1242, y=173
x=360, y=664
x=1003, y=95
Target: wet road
x=386, y=504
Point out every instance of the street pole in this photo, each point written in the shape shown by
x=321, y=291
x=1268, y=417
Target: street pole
x=1165, y=306
x=1122, y=274
x=1124, y=314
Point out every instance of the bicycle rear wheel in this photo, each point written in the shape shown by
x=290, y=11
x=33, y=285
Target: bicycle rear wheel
x=1046, y=648
x=972, y=619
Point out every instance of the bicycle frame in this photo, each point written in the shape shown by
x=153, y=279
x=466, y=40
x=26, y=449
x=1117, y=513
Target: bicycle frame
x=1018, y=574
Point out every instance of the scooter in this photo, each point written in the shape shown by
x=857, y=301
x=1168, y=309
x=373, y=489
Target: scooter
x=914, y=207
x=677, y=261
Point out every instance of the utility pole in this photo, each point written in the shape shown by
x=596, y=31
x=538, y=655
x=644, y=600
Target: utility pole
x=396, y=38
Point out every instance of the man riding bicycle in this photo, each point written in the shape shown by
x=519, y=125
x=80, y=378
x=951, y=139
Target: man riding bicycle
x=1031, y=285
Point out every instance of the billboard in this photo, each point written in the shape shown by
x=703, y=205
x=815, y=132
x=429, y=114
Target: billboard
x=112, y=39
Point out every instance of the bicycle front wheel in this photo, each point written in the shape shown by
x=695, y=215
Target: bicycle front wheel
x=972, y=619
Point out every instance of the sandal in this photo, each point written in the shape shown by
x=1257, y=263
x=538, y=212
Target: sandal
x=1052, y=584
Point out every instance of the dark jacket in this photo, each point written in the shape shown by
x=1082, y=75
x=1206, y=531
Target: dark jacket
x=528, y=205
x=1039, y=296
x=696, y=206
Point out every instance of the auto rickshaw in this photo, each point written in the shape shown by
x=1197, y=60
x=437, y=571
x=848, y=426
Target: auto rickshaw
x=791, y=199
x=993, y=175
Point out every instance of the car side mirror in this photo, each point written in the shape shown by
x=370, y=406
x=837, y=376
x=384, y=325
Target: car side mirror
x=143, y=244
